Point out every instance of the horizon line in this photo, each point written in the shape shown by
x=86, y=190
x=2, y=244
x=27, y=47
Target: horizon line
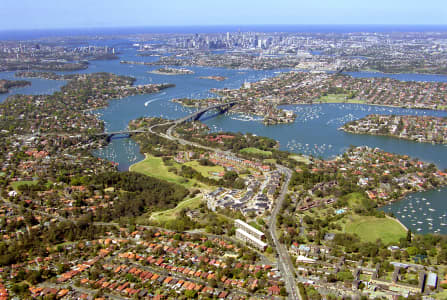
x=209, y=25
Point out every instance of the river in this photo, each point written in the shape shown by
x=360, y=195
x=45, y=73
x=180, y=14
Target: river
x=314, y=132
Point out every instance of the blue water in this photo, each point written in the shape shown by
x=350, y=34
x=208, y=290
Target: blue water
x=422, y=212
x=38, y=86
x=315, y=130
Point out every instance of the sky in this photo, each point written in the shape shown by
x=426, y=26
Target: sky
x=58, y=14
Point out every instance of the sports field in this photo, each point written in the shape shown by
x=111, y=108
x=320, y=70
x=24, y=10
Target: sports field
x=369, y=229
x=154, y=166
x=252, y=150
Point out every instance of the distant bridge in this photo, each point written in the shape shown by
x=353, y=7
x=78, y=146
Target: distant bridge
x=221, y=108
x=126, y=133
x=339, y=71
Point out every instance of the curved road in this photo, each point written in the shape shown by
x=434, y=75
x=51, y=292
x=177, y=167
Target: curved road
x=284, y=261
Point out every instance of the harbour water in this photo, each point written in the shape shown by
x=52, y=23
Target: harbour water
x=38, y=86
x=314, y=132
x=422, y=212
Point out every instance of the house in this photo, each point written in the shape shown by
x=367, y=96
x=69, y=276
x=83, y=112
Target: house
x=274, y=290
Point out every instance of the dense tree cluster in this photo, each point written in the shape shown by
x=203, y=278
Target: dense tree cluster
x=36, y=242
x=139, y=193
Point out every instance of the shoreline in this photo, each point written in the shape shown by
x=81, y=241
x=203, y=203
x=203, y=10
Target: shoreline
x=398, y=221
x=132, y=165
x=168, y=74
x=402, y=197
x=372, y=104
x=391, y=136
x=171, y=71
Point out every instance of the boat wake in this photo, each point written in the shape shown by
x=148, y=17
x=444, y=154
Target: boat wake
x=152, y=100
x=245, y=118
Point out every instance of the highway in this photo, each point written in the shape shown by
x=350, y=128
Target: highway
x=284, y=261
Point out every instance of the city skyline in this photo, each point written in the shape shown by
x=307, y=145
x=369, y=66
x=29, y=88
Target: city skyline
x=49, y=14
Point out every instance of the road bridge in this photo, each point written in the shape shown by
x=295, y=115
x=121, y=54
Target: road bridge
x=222, y=108
x=126, y=133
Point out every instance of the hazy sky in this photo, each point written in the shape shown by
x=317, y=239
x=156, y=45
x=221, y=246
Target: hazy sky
x=40, y=14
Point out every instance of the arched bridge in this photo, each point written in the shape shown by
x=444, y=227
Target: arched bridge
x=222, y=108
x=126, y=133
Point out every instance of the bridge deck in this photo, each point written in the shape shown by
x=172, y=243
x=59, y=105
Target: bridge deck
x=204, y=110
x=178, y=121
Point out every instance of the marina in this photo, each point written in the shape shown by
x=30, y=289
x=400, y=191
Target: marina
x=426, y=215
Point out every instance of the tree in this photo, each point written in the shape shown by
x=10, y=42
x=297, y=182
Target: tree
x=345, y=276
x=409, y=236
x=190, y=294
x=230, y=176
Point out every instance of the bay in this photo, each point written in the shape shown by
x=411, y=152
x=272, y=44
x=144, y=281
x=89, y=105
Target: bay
x=315, y=131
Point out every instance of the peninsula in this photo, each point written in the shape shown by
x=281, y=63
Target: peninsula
x=425, y=129
x=6, y=85
x=172, y=71
x=217, y=78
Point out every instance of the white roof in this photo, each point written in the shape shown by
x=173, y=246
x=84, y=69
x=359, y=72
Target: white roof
x=305, y=259
x=432, y=279
x=249, y=227
x=249, y=236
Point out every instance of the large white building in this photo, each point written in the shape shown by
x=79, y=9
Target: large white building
x=251, y=240
x=249, y=229
x=250, y=235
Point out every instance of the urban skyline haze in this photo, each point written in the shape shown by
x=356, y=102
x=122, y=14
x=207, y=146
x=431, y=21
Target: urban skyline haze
x=51, y=14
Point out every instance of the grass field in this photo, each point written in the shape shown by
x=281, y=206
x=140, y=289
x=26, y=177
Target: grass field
x=442, y=295
x=205, y=170
x=16, y=184
x=252, y=150
x=338, y=98
x=355, y=199
x=170, y=214
x=154, y=166
x=269, y=161
x=300, y=158
x=369, y=229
